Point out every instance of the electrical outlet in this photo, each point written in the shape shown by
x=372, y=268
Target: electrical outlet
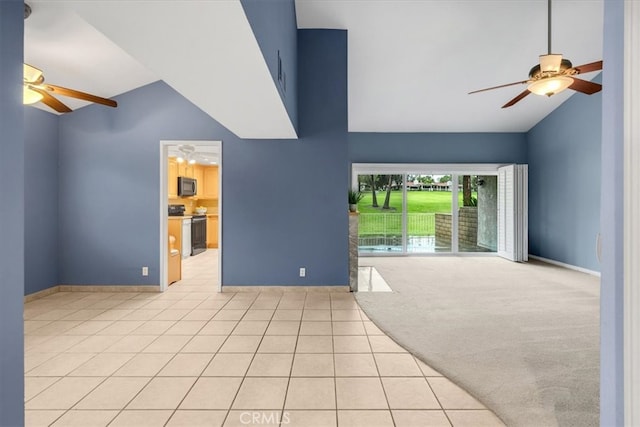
x=145, y=271
x=303, y=272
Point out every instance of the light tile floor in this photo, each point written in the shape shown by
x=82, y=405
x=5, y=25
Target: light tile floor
x=194, y=357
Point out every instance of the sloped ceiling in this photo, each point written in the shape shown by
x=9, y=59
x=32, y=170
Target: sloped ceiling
x=205, y=50
x=411, y=62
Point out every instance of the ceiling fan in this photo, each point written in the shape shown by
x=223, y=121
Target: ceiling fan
x=553, y=74
x=36, y=90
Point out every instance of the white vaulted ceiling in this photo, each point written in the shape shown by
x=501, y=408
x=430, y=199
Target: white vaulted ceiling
x=205, y=50
x=410, y=62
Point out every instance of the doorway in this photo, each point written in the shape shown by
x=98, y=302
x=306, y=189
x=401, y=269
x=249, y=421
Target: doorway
x=190, y=190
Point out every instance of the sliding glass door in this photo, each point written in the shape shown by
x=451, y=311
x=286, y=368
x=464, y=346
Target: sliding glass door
x=428, y=213
x=380, y=225
x=426, y=209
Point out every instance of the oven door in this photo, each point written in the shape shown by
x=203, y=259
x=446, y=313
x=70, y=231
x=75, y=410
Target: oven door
x=198, y=234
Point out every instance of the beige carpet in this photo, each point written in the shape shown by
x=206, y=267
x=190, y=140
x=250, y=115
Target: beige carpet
x=522, y=338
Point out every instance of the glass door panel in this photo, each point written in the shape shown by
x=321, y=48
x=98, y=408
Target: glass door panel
x=477, y=213
x=380, y=221
x=428, y=213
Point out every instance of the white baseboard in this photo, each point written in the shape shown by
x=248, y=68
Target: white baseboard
x=286, y=288
x=109, y=288
x=41, y=294
x=90, y=288
x=562, y=264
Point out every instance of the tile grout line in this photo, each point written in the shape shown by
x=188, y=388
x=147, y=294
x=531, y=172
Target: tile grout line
x=333, y=348
x=386, y=397
x=174, y=356
x=250, y=362
x=156, y=376
x=293, y=359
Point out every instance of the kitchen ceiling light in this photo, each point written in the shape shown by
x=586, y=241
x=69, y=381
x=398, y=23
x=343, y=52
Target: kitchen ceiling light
x=30, y=96
x=185, y=153
x=550, y=85
x=192, y=161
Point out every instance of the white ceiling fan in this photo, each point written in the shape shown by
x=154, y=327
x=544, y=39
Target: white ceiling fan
x=553, y=74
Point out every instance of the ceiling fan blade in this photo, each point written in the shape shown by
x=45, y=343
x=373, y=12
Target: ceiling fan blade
x=585, y=86
x=516, y=99
x=51, y=101
x=80, y=95
x=587, y=68
x=498, y=87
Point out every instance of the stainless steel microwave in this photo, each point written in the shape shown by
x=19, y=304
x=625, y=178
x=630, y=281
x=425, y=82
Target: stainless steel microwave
x=187, y=186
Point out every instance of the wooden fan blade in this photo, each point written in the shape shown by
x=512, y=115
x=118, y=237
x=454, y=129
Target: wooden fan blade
x=585, y=86
x=80, y=95
x=498, y=87
x=516, y=99
x=51, y=101
x=587, y=68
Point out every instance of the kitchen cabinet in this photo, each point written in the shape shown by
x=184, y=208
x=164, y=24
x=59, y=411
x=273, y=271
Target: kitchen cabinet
x=212, y=231
x=172, y=179
x=185, y=169
x=206, y=177
x=210, y=178
x=174, y=261
x=198, y=174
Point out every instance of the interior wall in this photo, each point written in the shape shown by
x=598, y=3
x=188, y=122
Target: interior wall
x=41, y=199
x=366, y=147
x=285, y=201
x=611, y=219
x=564, y=152
x=109, y=183
x=12, y=174
x=275, y=28
x=284, y=204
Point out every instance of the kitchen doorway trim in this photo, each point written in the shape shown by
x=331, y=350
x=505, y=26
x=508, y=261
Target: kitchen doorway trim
x=164, y=233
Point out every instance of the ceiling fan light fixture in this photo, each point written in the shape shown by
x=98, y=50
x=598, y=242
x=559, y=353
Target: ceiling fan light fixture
x=550, y=63
x=30, y=73
x=30, y=96
x=550, y=86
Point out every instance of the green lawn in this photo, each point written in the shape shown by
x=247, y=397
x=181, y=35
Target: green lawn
x=426, y=202
x=417, y=202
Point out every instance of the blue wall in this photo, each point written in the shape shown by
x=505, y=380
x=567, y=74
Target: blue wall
x=41, y=199
x=12, y=261
x=298, y=218
x=564, y=182
x=109, y=183
x=274, y=26
x=611, y=224
x=367, y=147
